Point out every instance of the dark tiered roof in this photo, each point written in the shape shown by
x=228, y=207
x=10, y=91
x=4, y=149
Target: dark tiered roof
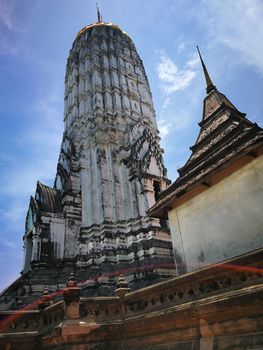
x=225, y=135
x=49, y=199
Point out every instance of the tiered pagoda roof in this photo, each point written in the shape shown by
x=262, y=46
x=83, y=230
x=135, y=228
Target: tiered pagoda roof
x=225, y=136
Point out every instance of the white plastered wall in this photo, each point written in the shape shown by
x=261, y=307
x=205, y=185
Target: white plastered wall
x=222, y=222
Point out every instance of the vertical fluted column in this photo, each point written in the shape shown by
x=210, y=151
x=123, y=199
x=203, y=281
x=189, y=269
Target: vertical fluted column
x=117, y=188
x=36, y=246
x=96, y=196
x=107, y=199
x=140, y=199
x=84, y=192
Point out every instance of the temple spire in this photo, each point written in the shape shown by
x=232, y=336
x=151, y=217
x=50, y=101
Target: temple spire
x=209, y=84
x=98, y=13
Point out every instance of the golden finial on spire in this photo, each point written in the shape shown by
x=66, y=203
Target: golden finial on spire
x=98, y=13
x=209, y=84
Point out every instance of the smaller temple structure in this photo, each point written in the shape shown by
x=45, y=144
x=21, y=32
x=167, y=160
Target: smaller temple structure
x=45, y=214
x=215, y=205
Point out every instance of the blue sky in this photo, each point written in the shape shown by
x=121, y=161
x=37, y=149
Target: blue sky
x=35, y=38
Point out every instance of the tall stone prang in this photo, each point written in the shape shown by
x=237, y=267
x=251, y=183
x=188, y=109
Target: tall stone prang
x=111, y=163
x=110, y=172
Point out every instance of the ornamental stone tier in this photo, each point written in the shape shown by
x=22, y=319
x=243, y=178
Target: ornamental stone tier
x=110, y=172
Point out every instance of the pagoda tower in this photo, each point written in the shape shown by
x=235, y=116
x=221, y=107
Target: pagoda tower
x=110, y=172
x=214, y=205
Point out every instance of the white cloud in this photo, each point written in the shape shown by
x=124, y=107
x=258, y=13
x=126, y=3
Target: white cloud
x=20, y=171
x=183, y=43
x=22, y=178
x=172, y=77
x=181, y=47
x=17, y=186
x=175, y=119
x=174, y=123
x=165, y=105
x=7, y=14
x=237, y=25
x=7, y=244
x=9, y=45
x=164, y=127
x=42, y=141
x=14, y=214
x=194, y=61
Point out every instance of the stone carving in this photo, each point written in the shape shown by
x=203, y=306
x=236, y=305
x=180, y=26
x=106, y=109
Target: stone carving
x=109, y=166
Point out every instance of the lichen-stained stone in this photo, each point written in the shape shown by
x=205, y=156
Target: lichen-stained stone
x=110, y=172
x=110, y=123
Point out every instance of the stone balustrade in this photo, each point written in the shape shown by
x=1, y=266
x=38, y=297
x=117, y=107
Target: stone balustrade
x=232, y=279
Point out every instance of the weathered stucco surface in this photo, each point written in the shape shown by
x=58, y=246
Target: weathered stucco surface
x=222, y=222
x=110, y=171
x=211, y=309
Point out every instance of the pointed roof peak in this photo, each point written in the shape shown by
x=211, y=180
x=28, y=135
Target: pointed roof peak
x=98, y=14
x=209, y=84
